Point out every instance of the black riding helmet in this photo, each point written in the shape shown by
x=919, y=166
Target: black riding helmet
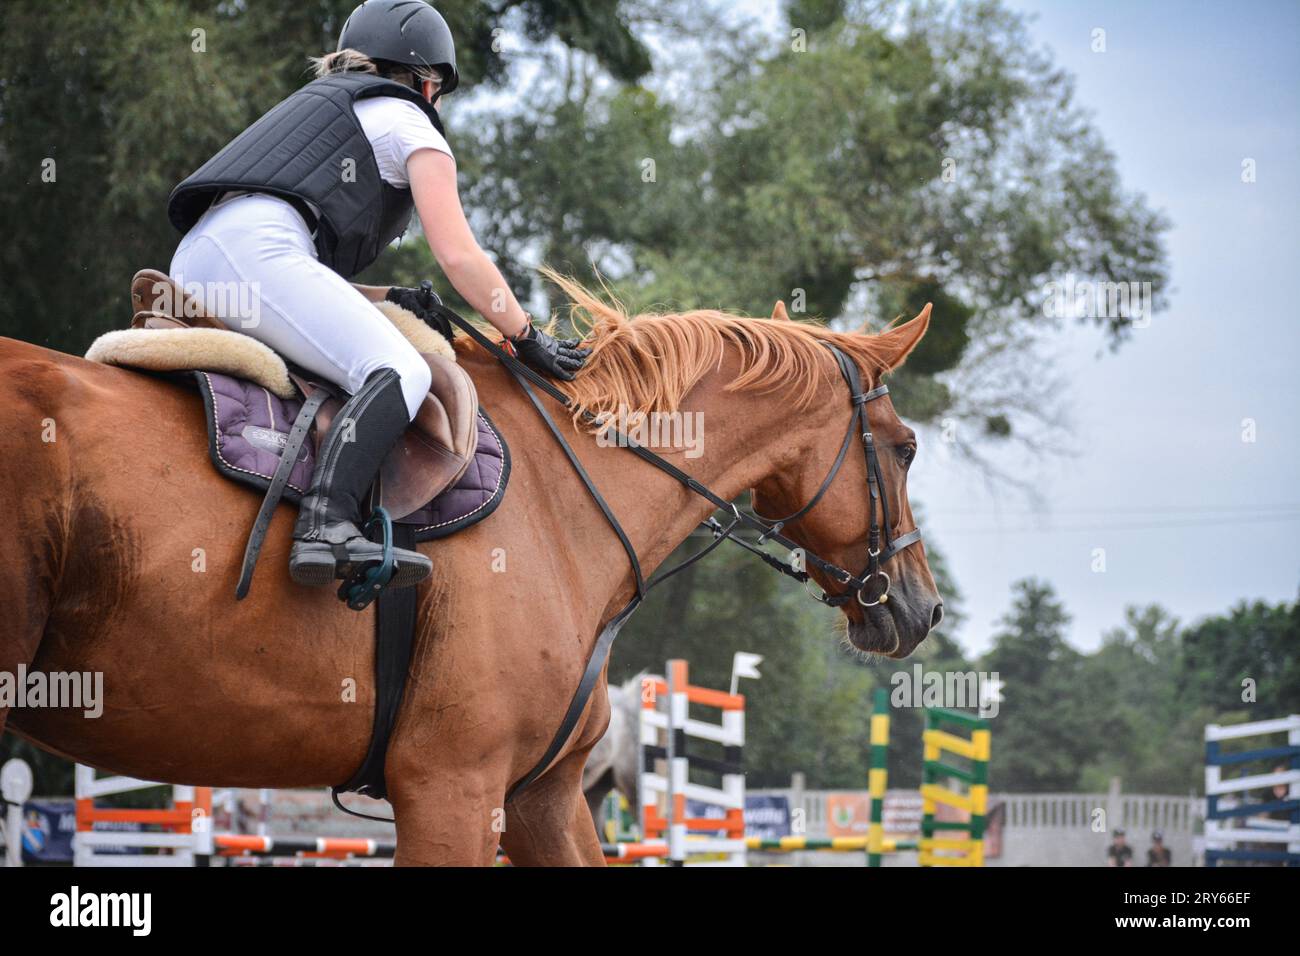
x=409, y=32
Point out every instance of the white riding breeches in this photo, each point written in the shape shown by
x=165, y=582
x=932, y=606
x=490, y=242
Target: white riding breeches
x=252, y=263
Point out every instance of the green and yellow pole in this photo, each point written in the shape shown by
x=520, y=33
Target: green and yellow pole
x=979, y=794
x=969, y=850
x=878, y=776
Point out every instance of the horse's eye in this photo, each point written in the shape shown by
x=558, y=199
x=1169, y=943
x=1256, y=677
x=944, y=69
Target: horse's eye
x=906, y=454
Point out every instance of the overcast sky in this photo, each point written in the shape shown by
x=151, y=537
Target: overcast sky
x=1190, y=515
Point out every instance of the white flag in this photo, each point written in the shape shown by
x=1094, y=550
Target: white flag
x=744, y=665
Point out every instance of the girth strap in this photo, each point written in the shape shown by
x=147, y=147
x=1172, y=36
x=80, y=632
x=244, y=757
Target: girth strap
x=395, y=616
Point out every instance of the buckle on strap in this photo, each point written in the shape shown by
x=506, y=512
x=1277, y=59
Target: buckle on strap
x=896, y=545
x=830, y=600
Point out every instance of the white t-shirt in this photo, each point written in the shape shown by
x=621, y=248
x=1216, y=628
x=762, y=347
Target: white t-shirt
x=396, y=129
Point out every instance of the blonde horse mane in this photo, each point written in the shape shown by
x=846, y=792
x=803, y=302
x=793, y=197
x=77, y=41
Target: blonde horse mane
x=648, y=362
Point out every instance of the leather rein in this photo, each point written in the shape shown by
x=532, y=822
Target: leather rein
x=857, y=586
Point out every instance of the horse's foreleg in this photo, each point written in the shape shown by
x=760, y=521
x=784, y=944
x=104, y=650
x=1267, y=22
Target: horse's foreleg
x=549, y=824
x=451, y=819
x=595, y=795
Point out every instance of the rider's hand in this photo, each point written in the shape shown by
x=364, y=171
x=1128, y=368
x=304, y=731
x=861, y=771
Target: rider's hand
x=558, y=358
x=420, y=302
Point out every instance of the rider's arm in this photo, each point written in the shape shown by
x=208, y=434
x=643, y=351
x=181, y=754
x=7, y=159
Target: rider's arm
x=433, y=183
x=375, y=293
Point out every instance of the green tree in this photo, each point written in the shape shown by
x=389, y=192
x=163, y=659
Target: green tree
x=905, y=155
x=1153, y=731
x=1244, y=665
x=1043, y=732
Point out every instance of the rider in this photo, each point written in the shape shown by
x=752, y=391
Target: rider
x=306, y=198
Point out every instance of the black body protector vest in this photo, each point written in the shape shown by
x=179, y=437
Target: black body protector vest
x=299, y=151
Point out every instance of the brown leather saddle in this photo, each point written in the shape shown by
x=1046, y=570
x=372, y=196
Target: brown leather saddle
x=433, y=454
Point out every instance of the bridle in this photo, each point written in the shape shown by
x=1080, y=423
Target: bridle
x=856, y=585
x=881, y=544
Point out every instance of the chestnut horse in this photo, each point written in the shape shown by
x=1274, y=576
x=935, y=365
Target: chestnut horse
x=122, y=545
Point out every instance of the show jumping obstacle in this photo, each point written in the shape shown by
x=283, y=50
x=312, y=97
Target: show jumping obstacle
x=666, y=735
x=184, y=837
x=634, y=852
x=968, y=851
x=15, y=788
x=934, y=850
x=244, y=850
x=671, y=736
x=178, y=841
x=799, y=844
x=1270, y=832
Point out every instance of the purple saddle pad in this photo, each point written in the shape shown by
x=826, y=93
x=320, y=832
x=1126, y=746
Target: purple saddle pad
x=248, y=427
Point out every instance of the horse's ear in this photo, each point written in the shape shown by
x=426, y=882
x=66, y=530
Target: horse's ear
x=901, y=339
x=779, y=312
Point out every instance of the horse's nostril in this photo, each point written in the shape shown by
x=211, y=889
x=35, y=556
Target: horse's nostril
x=936, y=616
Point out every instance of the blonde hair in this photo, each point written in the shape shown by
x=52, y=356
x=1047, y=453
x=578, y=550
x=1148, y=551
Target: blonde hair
x=354, y=61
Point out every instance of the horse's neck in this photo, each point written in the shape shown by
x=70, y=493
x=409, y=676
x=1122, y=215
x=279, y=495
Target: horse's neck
x=746, y=436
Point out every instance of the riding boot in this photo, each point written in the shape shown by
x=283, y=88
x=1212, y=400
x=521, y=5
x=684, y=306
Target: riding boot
x=327, y=542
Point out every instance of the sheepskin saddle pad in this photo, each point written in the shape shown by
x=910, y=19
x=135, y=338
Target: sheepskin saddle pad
x=252, y=401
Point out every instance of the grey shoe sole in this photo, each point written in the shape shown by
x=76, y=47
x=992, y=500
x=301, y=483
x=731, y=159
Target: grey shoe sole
x=312, y=564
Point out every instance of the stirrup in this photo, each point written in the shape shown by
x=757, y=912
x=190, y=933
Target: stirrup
x=367, y=581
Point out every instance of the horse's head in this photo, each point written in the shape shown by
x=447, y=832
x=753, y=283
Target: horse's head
x=837, y=529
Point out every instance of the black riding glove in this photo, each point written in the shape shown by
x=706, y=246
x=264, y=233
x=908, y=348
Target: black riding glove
x=420, y=302
x=558, y=358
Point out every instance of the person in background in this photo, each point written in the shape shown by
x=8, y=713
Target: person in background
x=1119, y=853
x=1278, y=793
x=1281, y=793
x=1158, y=854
